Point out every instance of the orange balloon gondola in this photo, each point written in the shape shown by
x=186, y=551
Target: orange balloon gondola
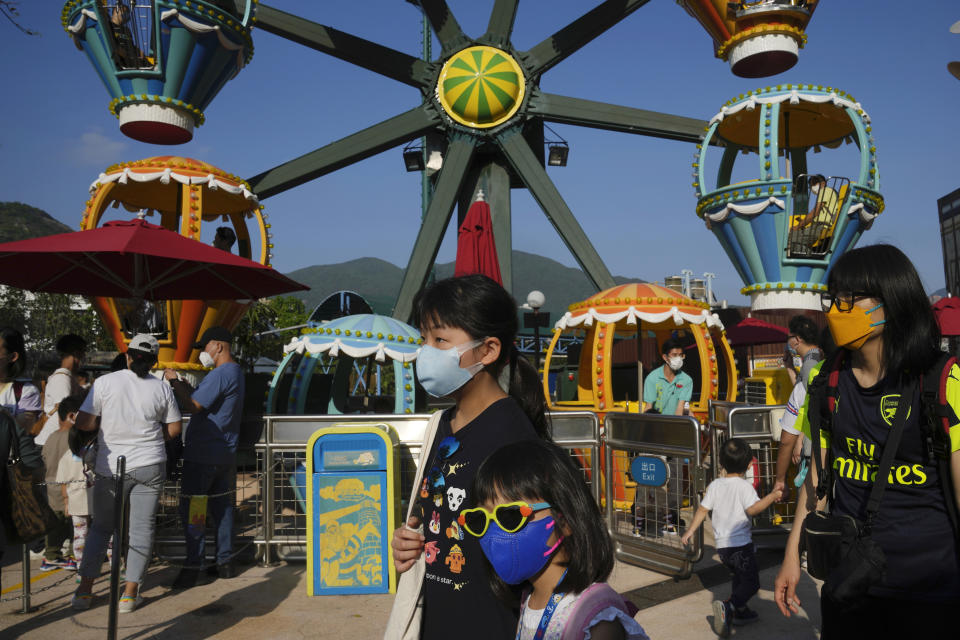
x=186, y=193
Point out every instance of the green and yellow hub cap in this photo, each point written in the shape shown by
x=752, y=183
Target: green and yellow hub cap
x=481, y=87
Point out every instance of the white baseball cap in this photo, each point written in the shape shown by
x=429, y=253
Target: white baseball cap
x=146, y=343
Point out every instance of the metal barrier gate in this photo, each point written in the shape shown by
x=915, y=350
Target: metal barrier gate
x=646, y=516
x=281, y=455
x=759, y=426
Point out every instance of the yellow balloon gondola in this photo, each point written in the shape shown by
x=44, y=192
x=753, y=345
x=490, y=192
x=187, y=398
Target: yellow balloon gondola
x=186, y=193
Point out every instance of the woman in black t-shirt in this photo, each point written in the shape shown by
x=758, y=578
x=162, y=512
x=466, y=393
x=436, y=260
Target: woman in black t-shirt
x=469, y=325
x=878, y=312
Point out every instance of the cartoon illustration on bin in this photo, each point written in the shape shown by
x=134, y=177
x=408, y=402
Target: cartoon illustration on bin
x=350, y=539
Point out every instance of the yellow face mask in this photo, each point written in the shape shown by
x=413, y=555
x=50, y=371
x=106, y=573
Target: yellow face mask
x=851, y=329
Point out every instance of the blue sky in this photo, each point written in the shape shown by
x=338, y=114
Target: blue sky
x=631, y=194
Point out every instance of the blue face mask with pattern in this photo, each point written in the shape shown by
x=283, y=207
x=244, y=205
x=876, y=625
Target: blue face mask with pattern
x=439, y=370
x=517, y=557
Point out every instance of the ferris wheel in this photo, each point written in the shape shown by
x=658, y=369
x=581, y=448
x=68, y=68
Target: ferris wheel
x=482, y=110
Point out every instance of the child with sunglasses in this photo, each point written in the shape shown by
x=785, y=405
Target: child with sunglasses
x=540, y=528
x=469, y=325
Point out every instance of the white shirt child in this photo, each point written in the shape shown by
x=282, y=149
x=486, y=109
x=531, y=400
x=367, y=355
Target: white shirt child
x=729, y=499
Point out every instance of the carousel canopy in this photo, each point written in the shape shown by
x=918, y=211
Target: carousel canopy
x=646, y=302
x=360, y=336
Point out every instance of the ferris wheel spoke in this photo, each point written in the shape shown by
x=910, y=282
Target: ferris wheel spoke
x=578, y=33
x=355, y=50
x=444, y=24
x=599, y=115
x=530, y=169
x=456, y=163
x=500, y=26
x=344, y=152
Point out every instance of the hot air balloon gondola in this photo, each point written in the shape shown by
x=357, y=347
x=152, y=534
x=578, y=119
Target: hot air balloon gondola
x=331, y=361
x=186, y=193
x=161, y=61
x=785, y=225
x=758, y=37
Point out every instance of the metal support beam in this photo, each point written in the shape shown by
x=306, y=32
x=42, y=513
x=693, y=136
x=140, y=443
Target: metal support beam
x=611, y=117
x=571, y=38
x=445, y=25
x=494, y=178
x=535, y=177
x=363, y=53
x=345, y=151
x=500, y=27
x=456, y=162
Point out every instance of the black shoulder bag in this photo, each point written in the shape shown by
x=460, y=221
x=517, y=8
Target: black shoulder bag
x=840, y=548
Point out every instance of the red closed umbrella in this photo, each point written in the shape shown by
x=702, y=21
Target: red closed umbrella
x=476, y=248
x=136, y=259
x=947, y=311
x=751, y=331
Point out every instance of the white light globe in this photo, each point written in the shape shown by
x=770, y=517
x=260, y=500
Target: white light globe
x=535, y=299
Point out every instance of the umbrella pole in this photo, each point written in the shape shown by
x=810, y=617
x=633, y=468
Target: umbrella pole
x=639, y=365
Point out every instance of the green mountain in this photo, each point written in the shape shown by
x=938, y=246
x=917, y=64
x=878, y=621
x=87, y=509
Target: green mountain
x=20, y=221
x=378, y=281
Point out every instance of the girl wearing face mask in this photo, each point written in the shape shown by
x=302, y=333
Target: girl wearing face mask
x=541, y=530
x=879, y=314
x=469, y=325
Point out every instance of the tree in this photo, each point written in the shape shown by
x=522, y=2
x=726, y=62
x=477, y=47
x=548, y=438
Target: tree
x=250, y=336
x=8, y=8
x=44, y=317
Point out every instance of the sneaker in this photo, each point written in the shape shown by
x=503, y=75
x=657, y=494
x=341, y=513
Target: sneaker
x=81, y=601
x=64, y=563
x=722, y=611
x=743, y=616
x=669, y=529
x=129, y=603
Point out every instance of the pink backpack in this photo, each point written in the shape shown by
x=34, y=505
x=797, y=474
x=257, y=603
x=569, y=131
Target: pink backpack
x=591, y=602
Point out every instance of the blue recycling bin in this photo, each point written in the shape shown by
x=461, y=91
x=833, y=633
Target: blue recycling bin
x=352, y=483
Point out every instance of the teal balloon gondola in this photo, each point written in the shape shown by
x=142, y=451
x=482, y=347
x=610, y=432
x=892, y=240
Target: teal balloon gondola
x=771, y=201
x=162, y=61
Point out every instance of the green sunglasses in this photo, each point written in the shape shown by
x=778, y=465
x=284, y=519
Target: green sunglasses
x=510, y=516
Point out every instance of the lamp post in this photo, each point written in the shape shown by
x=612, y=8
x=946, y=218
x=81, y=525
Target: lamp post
x=535, y=300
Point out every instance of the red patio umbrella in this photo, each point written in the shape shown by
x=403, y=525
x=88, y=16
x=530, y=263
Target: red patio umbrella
x=752, y=331
x=136, y=259
x=476, y=248
x=947, y=311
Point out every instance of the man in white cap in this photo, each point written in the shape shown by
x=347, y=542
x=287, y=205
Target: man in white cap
x=209, y=454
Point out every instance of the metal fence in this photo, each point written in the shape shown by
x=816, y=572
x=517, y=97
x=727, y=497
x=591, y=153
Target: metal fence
x=759, y=426
x=644, y=520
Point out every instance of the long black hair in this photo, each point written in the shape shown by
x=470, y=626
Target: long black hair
x=141, y=362
x=482, y=308
x=538, y=471
x=911, y=336
x=13, y=342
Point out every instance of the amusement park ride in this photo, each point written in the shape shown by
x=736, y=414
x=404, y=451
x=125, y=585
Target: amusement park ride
x=163, y=62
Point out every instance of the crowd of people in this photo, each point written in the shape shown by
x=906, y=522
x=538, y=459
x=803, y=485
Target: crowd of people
x=501, y=531
x=73, y=431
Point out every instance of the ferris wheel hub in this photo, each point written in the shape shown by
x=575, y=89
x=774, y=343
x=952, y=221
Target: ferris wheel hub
x=481, y=87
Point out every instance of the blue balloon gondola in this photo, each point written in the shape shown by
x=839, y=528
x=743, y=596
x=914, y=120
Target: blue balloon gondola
x=329, y=362
x=162, y=61
x=785, y=226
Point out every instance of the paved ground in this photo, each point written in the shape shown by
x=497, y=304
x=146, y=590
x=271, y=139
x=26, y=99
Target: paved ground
x=271, y=602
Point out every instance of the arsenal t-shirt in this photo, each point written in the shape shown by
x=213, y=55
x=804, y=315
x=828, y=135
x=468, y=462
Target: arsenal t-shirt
x=912, y=526
x=458, y=601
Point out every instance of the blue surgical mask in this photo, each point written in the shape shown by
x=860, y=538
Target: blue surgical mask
x=439, y=370
x=517, y=557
